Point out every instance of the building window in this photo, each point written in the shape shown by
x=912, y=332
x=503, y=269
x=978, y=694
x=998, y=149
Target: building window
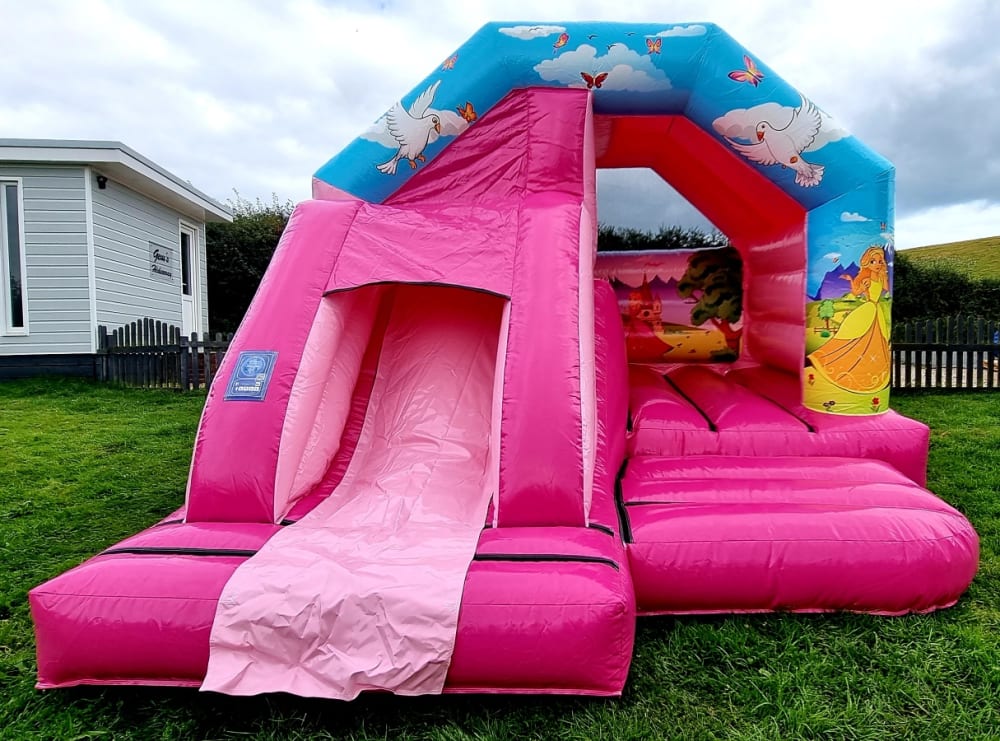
x=186, y=263
x=12, y=270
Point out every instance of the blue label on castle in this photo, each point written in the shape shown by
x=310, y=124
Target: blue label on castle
x=251, y=375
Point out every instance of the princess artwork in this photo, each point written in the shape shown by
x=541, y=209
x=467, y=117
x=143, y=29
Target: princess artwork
x=857, y=357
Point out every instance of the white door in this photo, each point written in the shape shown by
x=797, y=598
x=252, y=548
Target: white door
x=189, y=281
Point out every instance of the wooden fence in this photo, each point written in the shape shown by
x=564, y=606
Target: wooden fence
x=152, y=354
x=946, y=353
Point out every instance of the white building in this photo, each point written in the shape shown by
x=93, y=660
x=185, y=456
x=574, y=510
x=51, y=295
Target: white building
x=93, y=233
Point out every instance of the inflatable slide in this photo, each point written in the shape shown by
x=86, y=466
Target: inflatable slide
x=453, y=449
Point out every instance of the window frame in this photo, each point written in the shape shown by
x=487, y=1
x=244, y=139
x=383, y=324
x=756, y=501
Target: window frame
x=187, y=287
x=194, y=272
x=6, y=327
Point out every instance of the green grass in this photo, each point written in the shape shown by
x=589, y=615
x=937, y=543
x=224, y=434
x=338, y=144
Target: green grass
x=977, y=258
x=83, y=466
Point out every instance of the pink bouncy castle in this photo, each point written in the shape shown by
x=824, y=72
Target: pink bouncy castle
x=452, y=449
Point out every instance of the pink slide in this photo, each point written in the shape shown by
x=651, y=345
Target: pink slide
x=377, y=500
x=452, y=449
x=363, y=592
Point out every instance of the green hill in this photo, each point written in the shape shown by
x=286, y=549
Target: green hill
x=978, y=258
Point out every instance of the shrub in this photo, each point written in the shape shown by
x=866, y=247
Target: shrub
x=622, y=239
x=928, y=289
x=238, y=255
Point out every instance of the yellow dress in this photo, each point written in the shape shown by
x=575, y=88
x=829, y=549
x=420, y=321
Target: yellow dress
x=857, y=358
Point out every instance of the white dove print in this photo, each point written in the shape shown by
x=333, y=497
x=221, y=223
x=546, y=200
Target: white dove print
x=783, y=146
x=389, y=130
x=411, y=130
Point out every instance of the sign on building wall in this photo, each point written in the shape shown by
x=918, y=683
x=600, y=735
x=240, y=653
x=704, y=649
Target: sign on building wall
x=161, y=262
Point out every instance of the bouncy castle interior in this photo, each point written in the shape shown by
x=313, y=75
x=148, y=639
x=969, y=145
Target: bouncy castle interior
x=452, y=448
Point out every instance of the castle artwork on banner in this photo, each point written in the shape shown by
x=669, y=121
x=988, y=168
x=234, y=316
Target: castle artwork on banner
x=679, y=306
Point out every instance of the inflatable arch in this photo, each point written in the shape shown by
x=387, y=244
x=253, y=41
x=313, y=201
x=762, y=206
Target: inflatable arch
x=806, y=203
x=442, y=455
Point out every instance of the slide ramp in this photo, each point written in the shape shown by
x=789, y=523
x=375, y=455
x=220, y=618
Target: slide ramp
x=363, y=592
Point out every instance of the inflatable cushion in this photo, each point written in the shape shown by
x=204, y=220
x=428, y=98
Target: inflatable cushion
x=753, y=534
x=694, y=410
x=544, y=610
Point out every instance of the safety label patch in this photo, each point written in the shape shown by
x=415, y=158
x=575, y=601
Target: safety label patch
x=251, y=376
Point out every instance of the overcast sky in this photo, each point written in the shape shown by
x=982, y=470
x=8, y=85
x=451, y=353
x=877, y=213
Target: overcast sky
x=255, y=96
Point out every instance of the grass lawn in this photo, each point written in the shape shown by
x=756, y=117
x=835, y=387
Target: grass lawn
x=977, y=258
x=82, y=466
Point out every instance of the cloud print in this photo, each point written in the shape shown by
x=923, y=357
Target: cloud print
x=740, y=123
x=834, y=256
x=626, y=69
x=527, y=33
x=695, y=30
x=853, y=216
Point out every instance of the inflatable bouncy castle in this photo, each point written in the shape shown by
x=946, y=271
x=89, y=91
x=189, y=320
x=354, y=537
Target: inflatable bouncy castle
x=453, y=449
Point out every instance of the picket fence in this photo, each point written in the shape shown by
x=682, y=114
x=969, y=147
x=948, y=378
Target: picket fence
x=947, y=353
x=153, y=354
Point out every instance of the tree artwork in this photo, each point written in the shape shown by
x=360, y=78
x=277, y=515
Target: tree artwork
x=714, y=278
x=826, y=312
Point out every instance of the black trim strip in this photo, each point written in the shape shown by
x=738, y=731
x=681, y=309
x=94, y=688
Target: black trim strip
x=800, y=419
x=178, y=521
x=545, y=558
x=602, y=528
x=689, y=400
x=656, y=501
x=178, y=551
x=623, y=522
x=421, y=283
x=286, y=522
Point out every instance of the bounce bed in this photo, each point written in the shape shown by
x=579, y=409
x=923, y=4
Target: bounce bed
x=453, y=449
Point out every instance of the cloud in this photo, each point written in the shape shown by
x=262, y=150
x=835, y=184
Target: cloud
x=193, y=86
x=626, y=69
x=740, y=123
x=526, y=33
x=853, y=216
x=941, y=138
x=378, y=132
x=829, y=131
x=641, y=199
x=953, y=223
x=695, y=30
x=832, y=256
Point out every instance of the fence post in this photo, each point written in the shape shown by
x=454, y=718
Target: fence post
x=102, y=353
x=910, y=336
x=947, y=352
x=147, y=358
x=183, y=342
x=981, y=358
x=158, y=360
x=195, y=357
x=994, y=341
x=130, y=341
x=963, y=339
